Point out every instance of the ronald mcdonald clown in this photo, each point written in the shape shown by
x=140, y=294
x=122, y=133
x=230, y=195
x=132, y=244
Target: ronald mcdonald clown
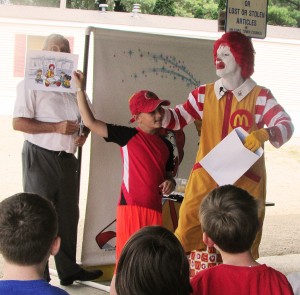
x=235, y=100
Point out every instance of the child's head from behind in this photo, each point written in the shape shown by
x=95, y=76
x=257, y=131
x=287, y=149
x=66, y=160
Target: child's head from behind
x=229, y=217
x=153, y=262
x=28, y=226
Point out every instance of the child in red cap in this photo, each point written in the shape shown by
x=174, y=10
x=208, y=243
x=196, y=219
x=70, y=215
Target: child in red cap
x=147, y=161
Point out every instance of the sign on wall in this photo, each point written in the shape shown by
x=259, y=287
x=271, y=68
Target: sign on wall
x=248, y=17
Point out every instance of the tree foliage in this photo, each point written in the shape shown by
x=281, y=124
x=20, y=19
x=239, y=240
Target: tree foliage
x=83, y=4
x=289, y=4
x=164, y=7
x=281, y=17
x=145, y=5
x=284, y=13
x=280, y=12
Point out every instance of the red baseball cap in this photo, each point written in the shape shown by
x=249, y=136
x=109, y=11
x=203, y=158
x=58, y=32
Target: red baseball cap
x=145, y=101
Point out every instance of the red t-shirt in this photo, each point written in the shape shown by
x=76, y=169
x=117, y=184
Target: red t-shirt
x=240, y=280
x=146, y=159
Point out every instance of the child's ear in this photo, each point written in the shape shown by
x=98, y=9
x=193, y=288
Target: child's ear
x=55, y=246
x=207, y=240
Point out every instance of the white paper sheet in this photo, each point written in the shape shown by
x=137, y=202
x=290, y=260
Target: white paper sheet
x=50, y=70
x=229, y=160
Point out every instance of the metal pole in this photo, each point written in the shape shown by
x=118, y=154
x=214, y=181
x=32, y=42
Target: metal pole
x=63, y=4
x=85, y=69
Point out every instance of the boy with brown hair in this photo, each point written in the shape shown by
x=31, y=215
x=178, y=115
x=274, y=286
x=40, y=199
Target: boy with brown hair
x=28, y=236
x=153, y=262
x=229, y=220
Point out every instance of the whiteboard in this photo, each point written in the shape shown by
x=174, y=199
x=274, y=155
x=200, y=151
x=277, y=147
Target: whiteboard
x=125, y=62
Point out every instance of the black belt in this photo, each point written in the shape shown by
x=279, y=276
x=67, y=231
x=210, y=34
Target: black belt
x=61, y=154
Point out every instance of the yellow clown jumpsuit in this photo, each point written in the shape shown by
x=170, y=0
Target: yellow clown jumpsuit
x=220, y=114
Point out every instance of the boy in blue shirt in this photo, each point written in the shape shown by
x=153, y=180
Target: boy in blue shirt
x=28, y=236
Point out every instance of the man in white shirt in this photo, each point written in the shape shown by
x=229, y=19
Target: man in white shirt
x=51, y=122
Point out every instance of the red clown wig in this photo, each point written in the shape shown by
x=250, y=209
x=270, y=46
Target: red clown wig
x=242, y=49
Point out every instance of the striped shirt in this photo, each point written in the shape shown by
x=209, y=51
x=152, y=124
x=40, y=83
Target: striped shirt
x=267, y=111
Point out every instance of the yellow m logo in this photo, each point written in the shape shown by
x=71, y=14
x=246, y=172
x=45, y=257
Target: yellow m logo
x=240, y=120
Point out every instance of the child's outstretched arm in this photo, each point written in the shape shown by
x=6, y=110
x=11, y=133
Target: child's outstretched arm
x=97, y=126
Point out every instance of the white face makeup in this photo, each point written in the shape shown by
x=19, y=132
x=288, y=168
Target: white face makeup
x=226, y=65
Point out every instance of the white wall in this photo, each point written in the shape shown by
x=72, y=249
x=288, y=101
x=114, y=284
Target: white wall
x=277, y=58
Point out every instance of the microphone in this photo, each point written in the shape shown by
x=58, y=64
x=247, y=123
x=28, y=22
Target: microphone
x=222, y=90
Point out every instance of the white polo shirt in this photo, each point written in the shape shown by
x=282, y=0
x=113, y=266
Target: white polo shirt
x=47, y=106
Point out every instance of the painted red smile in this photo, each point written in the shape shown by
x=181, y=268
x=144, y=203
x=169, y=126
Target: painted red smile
x=220, y=65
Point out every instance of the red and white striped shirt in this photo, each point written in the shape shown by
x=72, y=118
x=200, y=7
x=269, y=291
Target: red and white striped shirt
x=267, y=112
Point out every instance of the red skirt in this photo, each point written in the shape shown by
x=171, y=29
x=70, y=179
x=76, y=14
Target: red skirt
x=129, y=220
